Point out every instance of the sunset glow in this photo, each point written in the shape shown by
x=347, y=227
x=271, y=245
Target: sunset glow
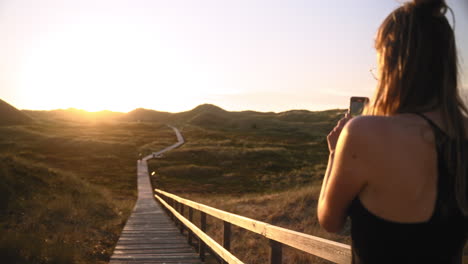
x=259, y=55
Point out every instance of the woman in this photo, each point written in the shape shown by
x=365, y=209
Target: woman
x=400, y=171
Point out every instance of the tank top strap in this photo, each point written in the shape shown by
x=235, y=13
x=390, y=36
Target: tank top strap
x=443, y=182
x=438, y=132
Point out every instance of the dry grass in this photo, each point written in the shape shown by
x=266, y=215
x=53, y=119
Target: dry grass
x=68, y=183
x=269, y=172
x=293, y=209
x=232, y=161
x=66, y=189
x=48, y=208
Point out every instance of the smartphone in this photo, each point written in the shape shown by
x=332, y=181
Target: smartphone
x=356, y=105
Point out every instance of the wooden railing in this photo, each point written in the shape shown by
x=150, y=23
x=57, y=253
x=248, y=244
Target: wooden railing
x=323, y=248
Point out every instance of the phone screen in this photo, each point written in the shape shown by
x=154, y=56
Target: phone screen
x=356, y=105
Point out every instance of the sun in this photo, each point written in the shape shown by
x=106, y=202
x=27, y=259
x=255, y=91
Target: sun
x=82, y=69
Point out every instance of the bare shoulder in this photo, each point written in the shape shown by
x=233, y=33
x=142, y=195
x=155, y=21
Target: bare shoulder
x=368, y=126
x=387, y=130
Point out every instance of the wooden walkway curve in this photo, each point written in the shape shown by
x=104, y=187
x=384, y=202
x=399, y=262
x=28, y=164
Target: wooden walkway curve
x=149, y=236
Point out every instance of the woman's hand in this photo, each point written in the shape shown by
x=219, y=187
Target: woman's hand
x=333, y=136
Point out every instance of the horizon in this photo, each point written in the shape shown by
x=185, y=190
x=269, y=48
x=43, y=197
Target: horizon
x=257, y=55
x=187, y=110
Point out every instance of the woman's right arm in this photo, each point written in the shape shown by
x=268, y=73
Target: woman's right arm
x=345, y=176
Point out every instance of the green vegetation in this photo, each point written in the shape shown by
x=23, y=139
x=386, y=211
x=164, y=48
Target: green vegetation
x=265, y=166
x=68, y=184
x=280, y=151
x=39, y=226
x=67, y=188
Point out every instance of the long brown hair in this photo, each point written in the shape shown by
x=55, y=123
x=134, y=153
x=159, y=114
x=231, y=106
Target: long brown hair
x=418, y=72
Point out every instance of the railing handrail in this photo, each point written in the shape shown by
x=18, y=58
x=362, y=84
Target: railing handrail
x=218, y=249
x=320, y=247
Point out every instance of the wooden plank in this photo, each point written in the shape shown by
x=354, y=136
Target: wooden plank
x=153, y=250
x=147, y=242
x=155, y=239
x=149, y=228
x=142, y=234
x=136, y=261
x=157, y=260
x=156, y=236
x=326, y=249
x=139, y=229
x=154, y=231
x=150, y=246
x=217, y=248
x=176, y=255
x=149, y=231
x=158, y=251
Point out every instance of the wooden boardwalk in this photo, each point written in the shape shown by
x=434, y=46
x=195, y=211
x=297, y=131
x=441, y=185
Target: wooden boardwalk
x=149, y=236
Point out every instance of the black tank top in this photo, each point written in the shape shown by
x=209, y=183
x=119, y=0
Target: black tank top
x=439, y=240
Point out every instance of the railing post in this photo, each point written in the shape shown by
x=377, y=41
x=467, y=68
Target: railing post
x=226, y=237
x=201, y=244
x=168, y=201
x=181, y=207
x=276, y=252
x=190, y=218
x=172, y=204
x=176, y=207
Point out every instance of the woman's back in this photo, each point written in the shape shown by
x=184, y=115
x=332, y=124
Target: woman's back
x=407, y=207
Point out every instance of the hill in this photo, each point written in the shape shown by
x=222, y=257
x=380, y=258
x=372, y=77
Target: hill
x=146, y=115
x=9, y=115
x=245, y=152
x=215, y=118
x=266, y=166
x=67, y=188
x=149, y=115
x=44, y=212
x=205, y=115
x=75, y=115
x=244, y=162
x=204, y=108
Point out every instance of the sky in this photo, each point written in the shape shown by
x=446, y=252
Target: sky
x=263, y=55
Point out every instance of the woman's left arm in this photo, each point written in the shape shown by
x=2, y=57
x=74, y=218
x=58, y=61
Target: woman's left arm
x=345, y=176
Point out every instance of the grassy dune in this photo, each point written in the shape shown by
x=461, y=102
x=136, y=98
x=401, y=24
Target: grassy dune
x=270, y=171
x=53, y=216
x=244, y=160
x=68, y=181
x=67, y=188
